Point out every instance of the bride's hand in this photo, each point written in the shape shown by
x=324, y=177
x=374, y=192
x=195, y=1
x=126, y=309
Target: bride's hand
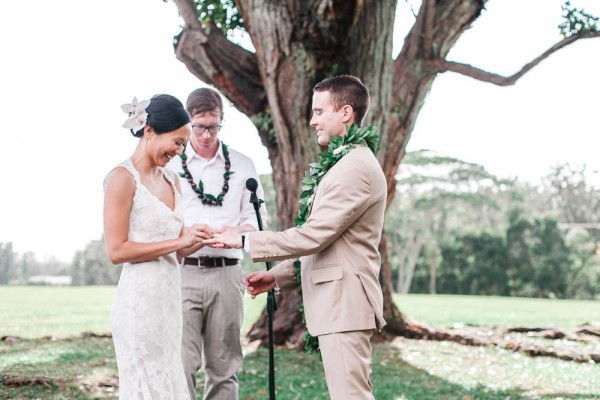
x=203, y=231
x=195, y=234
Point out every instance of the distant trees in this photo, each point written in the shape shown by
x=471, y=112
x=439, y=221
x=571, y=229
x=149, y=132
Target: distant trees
x=458, y=229
x=529, y=258
x=436, y=197
x=7, y=263
x=18, y=269
x=91, y=266
x=575, y=201
x=474, y=263
x=585, y=264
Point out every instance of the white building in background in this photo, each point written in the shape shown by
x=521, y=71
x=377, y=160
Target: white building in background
x=48, y=280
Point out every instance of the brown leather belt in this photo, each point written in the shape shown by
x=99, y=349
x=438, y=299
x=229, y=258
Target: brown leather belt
x=210, y=262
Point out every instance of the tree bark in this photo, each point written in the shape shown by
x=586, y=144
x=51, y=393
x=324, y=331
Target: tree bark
x=288, y=327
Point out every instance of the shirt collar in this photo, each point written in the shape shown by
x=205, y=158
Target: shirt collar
x=190, y=153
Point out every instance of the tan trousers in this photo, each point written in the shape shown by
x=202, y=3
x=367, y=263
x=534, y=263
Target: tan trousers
x=212, y=320
x=347, y=364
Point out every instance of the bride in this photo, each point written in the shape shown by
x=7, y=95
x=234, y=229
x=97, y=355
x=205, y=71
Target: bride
x=143, y=228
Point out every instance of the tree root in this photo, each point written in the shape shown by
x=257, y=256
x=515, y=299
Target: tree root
x=9, y=340
x=587, y=329
x=90, y=334
x=16, y=381
x=579, y=345
x=527, y=340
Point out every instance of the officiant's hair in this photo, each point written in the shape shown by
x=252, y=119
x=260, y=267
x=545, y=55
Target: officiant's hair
x=347, y=90
x=165, y=114
x=204, y=100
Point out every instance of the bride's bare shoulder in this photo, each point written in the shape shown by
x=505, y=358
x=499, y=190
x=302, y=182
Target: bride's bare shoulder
x=119, y=178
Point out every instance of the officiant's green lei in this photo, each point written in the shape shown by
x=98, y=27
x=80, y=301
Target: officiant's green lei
x=338, y=148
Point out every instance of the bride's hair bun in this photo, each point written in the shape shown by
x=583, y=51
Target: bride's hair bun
x=165, y=114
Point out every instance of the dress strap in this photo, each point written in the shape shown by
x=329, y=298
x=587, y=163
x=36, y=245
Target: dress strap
x=128, y=165
x=172, y=177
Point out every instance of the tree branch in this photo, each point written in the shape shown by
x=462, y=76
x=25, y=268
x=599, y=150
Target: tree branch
x=211, y=57
x=412, y=10
x=413, y=78
x=428, y=28
x=187, y=11
x=439, y=65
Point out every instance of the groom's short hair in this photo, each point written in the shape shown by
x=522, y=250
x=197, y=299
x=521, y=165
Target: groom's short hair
x=347, y=90
x=204, y=100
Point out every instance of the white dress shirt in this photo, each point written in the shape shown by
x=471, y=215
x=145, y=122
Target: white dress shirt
x=236, y=209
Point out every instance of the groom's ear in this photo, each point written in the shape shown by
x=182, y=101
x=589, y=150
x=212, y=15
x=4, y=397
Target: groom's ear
x=347, y=114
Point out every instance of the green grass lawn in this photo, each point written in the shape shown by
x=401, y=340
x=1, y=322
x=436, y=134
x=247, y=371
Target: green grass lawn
x=37, y=311
x=445, y=310
x=84, y=368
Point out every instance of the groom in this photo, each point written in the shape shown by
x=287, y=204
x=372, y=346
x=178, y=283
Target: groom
x=338, y=244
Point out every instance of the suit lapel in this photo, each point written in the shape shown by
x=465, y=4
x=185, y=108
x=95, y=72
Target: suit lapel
x=322, y=184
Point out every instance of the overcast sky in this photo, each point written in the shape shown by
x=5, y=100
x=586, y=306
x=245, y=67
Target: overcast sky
x=66, y=66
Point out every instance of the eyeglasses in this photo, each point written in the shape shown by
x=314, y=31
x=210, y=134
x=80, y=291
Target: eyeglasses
x=200, y=129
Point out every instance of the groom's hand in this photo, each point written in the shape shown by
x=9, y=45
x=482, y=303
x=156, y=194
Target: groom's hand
x=227, y=239
x=259, y=282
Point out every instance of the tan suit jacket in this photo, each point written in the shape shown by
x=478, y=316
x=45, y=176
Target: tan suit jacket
x=338, y=248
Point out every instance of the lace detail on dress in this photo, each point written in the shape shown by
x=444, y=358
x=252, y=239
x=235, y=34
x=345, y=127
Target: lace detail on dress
x=146, y=316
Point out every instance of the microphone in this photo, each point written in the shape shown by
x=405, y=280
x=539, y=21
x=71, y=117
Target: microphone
x=251, y=184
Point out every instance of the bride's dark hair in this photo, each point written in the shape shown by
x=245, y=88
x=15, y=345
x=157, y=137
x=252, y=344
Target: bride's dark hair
x=165, y=114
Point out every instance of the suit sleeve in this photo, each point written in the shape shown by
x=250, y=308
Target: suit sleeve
x=339, y=202
x=285, y=276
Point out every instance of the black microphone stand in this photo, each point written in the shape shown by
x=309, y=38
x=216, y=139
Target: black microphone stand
x=271, y=303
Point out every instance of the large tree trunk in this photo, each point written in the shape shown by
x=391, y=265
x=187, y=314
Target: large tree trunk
x=288, y=327
x=317, y=54
x=396, y=321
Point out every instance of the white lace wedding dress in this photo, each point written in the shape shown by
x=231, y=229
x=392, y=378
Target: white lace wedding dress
x=146, y=316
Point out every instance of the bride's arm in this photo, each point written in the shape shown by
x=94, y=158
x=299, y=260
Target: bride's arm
x=118, y=202
x=208, y=233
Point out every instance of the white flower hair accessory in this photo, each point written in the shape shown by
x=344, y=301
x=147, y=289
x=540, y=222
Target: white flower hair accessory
x=340, y=149
x=137, y=114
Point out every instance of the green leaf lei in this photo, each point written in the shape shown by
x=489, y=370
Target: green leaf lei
x=338, y=147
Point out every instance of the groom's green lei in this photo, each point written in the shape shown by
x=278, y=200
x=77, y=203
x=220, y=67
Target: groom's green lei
x=338, y=147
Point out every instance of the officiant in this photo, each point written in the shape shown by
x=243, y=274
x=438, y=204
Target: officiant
x=212, y=178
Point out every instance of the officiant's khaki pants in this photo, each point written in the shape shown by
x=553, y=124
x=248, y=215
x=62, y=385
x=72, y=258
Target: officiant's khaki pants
x=347, y=364
x=212, y=319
